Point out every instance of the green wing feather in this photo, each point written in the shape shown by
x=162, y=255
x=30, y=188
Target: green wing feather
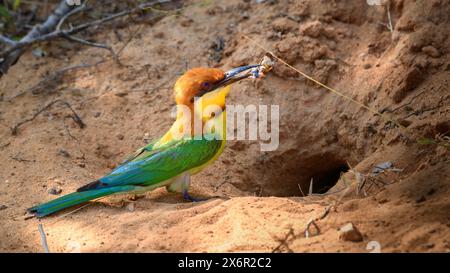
x=150, y=167
x=142, y=152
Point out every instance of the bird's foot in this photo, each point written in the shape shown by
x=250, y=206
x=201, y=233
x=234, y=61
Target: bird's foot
x=188, y=197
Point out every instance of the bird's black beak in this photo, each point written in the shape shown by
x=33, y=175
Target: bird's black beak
x=235, y=75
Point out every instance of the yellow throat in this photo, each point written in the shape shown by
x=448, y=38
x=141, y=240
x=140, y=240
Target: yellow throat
x=203, y=109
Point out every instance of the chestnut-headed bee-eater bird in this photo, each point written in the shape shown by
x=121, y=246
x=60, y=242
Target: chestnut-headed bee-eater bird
x=169, y=161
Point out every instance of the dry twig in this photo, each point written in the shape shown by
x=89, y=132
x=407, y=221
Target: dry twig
x=10, y=56
x=75, y=116
x=43, y=238
x=52, y=79
x=51, y=29
x=313, y=222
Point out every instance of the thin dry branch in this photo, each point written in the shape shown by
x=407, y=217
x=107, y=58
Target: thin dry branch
x=386, y=109
x=313, y=222
x=14, y=52
x=48, y=82
x=75, y=116
x=7, y=41
x=292, y=236
x=48, y=31
x=284, y=242
x=300, y=188
x=84, y=42
x=427, y=109
x=310, y=190
x=70, y=13
x=43, y=238
x=389, y=25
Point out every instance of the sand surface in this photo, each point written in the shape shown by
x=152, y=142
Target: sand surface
x=341, y=43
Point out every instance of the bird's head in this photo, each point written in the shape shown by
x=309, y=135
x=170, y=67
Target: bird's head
x=199, y=82
x=200, y=88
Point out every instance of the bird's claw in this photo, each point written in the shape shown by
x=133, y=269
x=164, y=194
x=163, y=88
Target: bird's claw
x=188, y=197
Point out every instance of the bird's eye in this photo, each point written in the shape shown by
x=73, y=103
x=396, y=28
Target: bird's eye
x=206, y=85
x=192, y=100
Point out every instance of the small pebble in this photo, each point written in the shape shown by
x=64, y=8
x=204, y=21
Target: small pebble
x=226, y=161
x=431, y=51
x=349, y=232
x=186, y=22
x=428, y=245
x=64, y=153
x=130, y=207
x=120, y=136
x=54, y=191
x=159, y=35
x=421, y=199
x=379, y=168
x=38, y=52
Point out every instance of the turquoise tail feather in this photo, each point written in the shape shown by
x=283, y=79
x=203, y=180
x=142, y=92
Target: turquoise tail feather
x=75, y=198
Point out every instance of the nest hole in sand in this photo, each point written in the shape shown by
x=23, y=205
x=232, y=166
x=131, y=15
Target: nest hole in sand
x=290, y=174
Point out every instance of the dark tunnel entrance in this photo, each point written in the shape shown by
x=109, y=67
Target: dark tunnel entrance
x=326, y=179
x=290, y=174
